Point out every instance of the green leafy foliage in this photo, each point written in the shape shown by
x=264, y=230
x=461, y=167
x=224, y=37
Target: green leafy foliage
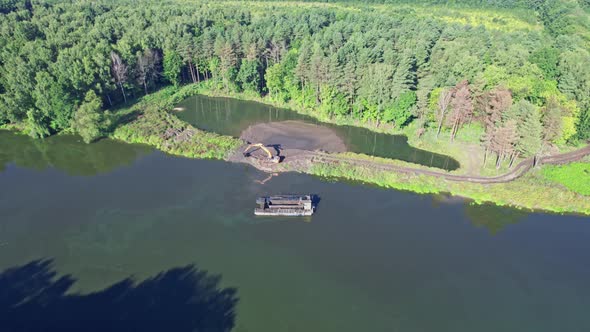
x=90, y=122
x=547, y=59
x=172, y=67
x=37, y=124
x=400, y=112
x=574, y=176
x=249, y=76
x=375, y=61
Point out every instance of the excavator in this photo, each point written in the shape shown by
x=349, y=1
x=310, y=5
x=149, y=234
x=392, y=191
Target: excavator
x=271, y=158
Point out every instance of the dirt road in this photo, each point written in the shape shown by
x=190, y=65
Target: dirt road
x=300, y=160
x=516, y=172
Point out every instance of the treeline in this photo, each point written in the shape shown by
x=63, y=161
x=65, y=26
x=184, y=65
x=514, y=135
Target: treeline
x=61, y=62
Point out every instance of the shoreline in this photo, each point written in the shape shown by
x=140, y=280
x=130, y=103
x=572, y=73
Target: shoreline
x=529, y=192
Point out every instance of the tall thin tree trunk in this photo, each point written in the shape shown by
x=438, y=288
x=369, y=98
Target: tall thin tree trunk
x=145, y=87
x=109, y=99
x=192, y=70
x=317, y=93
x=457, y=125
x=123, y=91
x=198, y=75
x=442, y=117
x=303, y=96
x=514, y=156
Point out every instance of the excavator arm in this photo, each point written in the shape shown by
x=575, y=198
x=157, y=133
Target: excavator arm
x=274, y=159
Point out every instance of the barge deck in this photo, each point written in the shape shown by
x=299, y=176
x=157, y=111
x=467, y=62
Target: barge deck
x=285, y=205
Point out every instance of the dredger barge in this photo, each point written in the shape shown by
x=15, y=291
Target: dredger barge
x=285, y=205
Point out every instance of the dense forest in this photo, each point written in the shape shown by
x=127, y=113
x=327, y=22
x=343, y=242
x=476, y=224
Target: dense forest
x=518, y=69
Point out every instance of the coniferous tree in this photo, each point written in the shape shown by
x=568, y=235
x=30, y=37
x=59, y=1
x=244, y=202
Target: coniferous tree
x=530, y=130
x=552, y=120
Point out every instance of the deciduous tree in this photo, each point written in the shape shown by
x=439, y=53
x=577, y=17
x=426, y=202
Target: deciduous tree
x=89, y=121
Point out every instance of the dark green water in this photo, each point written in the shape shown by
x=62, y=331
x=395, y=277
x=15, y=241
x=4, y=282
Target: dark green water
x=230, y=116
x=369, y=260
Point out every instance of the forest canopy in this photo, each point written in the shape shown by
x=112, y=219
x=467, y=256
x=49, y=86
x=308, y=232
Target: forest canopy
x=519, y=68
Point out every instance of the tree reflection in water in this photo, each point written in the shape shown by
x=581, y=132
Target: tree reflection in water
x=34, y=298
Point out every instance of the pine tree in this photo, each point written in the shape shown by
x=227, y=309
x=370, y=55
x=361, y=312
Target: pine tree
x=404, y=78
x=531, y=134
x=350, y=82
x=552, y=120
x=249, y=76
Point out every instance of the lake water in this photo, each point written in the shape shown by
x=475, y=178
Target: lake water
x=77, y=220
x=230, y=116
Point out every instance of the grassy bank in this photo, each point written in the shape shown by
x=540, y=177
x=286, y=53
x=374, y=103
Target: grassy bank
x=150, y=122
x=532, y=191
x=575, y=176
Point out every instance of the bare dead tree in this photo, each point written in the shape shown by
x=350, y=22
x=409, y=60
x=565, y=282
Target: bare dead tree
x=252, y=52
x=462, y=107
x=275, y=50
x=444, y=100
x=494, y=104
x=503, y=142
x=119, y=71
x=147, y=63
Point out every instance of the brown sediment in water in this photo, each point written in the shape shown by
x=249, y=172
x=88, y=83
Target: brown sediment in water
x=294, y=135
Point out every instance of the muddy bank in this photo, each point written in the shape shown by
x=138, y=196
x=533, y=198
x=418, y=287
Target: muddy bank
x=295, y=142
x=295, y=135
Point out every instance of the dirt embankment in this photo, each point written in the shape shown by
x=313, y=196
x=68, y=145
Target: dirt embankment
x=294, y=141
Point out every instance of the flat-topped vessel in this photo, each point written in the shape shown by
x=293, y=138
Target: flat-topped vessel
x=284, y=205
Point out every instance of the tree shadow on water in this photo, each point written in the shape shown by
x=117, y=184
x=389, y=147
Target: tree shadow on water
x=33, y=298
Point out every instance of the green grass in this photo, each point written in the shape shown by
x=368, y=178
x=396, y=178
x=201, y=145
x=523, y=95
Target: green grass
x=575, y=176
